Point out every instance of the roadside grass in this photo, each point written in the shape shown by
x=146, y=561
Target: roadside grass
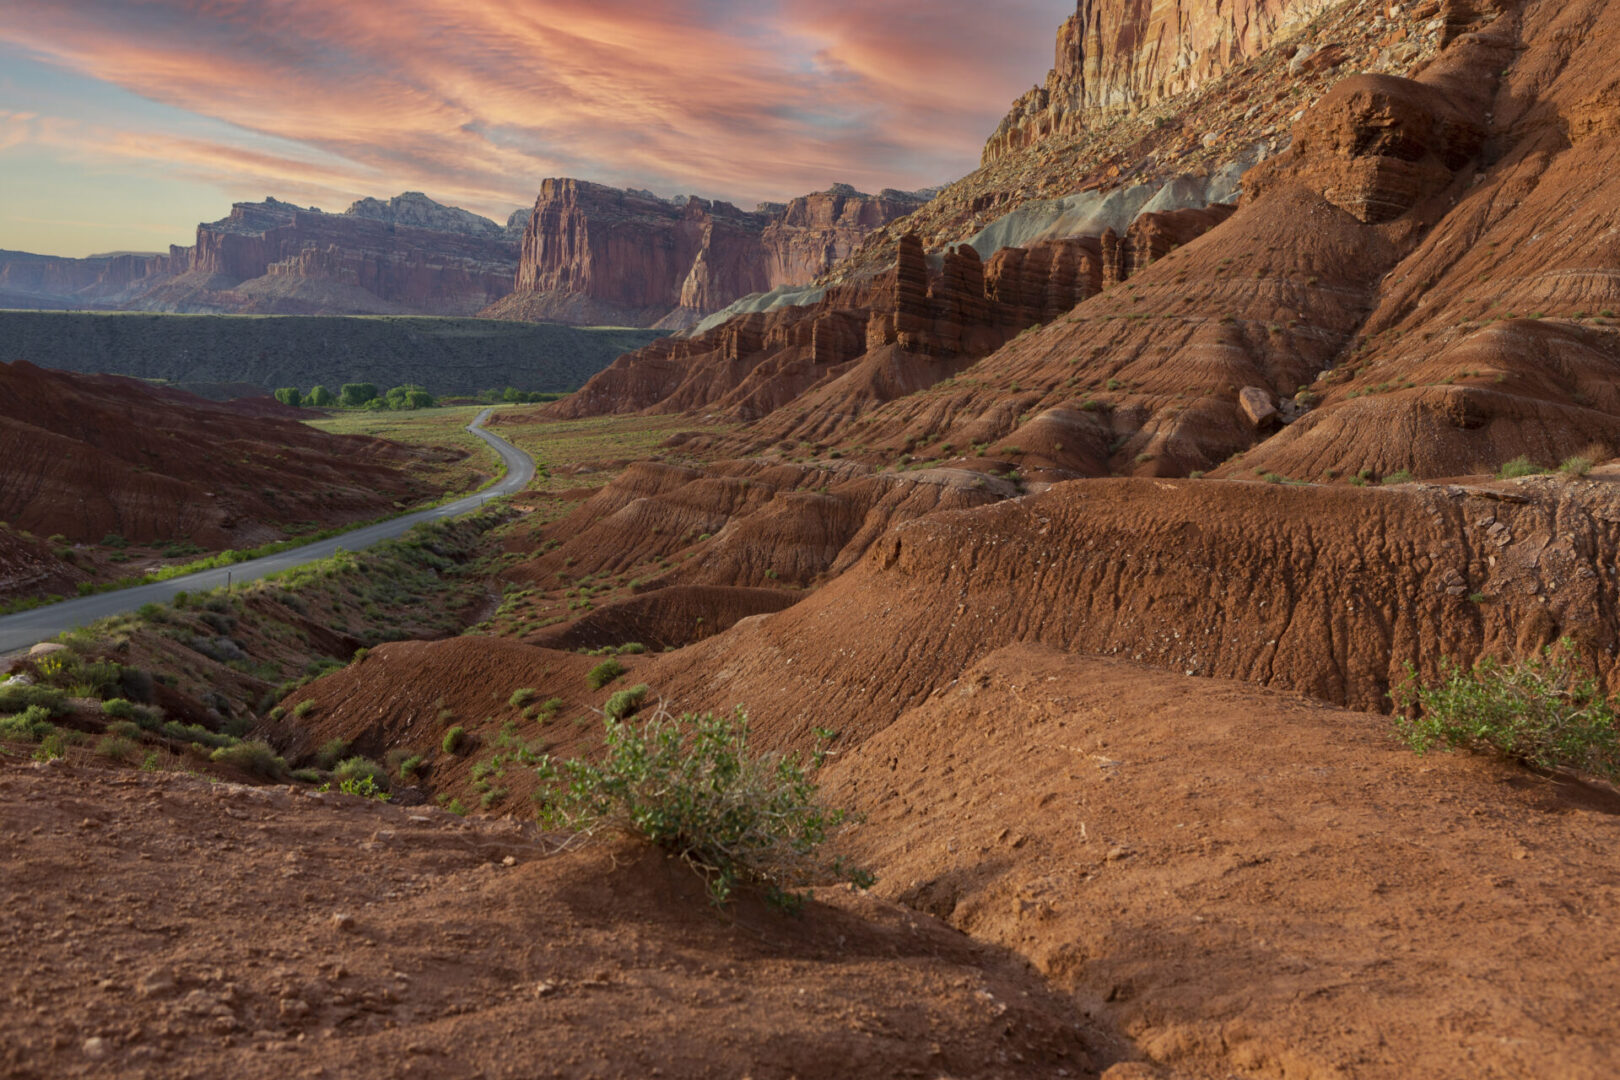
x=461, y=478
x=441, y=426
x=232, y=656
x=604, y=445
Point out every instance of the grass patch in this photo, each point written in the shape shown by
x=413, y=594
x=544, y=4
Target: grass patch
x=1519, y=466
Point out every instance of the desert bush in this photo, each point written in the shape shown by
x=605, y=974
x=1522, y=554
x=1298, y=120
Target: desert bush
x=1578, y=465
x=255, y=757
x=695, y=787
x=116, y=747
x=307, y=776
x=1545, y=710
x=625, y=702
x=357, y=768
x=118, y=708
x=454, y=739
x=1399, y=476
x=330, y=753
x=411, y=767
x=365, y=786
x=604, y=673
x=522, y=697
x=51, y=747
x=1519, y=466
x=195, y=733
x=30, y=725
x=16, y=697
x=304, y=708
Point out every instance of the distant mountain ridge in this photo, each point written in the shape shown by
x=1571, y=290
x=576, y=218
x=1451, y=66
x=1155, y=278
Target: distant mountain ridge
x=585, y=254
x=404, y=255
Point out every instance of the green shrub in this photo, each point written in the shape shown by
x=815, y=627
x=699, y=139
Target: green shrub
x=256, y=758
x=521, y=698
x=1519, y=466
x=118, y=707
x=307, y=776
x=1400, y=476
x=695, y=787
x=625, y=702
x=16, y=698
x=115, y=747
x=411, y=766
x=1576, y=466
x=356, y=769
x=604, y=673
x=195, y=733
x=331, y=752
x=454, y=739
x=51, y=747
x=30, y=725
x=1544, y=711
x=304, y=708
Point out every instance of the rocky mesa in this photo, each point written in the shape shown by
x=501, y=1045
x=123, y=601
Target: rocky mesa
x=405, y=255
x=597, y=255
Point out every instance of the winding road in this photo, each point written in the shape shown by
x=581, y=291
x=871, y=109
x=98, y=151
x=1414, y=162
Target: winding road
x=30, y=627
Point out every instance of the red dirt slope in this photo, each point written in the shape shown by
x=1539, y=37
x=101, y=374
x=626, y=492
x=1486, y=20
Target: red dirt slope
x=1249, y=884
x=88, y=455
x=1325, y=590
x=190, y=929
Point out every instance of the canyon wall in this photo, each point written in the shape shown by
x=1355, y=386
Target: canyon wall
x=1119, y=56
x=405, y=255
x=593, y=254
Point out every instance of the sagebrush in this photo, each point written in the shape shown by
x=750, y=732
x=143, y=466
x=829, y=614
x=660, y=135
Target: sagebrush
x=1545, y=710
x=695, y=787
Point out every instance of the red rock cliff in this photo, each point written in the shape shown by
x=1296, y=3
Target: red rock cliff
x=1118, y=56
x=411, y=254
x=595, y=254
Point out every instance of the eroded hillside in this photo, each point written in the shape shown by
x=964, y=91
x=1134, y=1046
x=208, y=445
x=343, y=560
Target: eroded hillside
x=1099, y=553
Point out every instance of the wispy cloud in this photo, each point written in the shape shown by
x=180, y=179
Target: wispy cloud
x=475, y=101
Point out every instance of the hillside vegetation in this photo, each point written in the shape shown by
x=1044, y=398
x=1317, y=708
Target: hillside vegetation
x=443, y=355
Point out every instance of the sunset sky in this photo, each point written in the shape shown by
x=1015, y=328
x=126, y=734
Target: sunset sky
x=125, y=122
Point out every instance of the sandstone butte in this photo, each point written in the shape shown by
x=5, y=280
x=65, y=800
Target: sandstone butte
x=1101, y=551
x=586, y=255
x=596, y=255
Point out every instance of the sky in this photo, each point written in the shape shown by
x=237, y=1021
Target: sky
x=123, y=123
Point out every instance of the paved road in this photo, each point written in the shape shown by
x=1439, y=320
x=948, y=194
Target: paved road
x=29, y=627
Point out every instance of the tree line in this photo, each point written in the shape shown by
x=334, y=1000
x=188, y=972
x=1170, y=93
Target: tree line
x=409, y=396
x=358, y=396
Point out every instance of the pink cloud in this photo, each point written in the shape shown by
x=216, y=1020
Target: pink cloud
x=477, y=100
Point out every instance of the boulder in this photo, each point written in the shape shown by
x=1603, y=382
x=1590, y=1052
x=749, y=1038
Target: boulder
x=1257, y=407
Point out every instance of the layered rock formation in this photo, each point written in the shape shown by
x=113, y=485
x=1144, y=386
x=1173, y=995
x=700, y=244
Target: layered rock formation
x=408, y=255
x=1115, y=57
x=593, y=254
x=89, y=455
x=49, y=281
x=863, y=344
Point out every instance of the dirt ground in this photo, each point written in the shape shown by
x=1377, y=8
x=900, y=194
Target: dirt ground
x=161, y=926
x=1247, y=883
